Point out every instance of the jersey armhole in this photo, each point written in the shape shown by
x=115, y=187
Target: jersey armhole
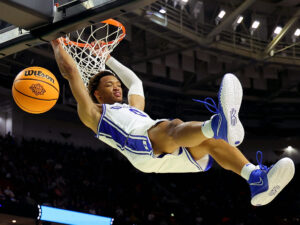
x=101, y=118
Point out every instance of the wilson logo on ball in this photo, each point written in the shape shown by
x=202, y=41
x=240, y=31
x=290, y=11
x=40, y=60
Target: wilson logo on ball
x=37, y=89
x=38, y=73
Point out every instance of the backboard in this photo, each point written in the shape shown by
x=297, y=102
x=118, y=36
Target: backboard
x=68, y=15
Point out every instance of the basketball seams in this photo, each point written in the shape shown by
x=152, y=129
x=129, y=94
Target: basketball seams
x=37, y=80
x=25, y=108
x=34, y=97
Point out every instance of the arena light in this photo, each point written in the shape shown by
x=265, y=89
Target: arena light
x=297, y=32
x=221, y=14
x=162, y=11
x=290, y=150
x=296, y=35
x=237, y=22
x=185, y=1
x=240, y=19
x=277, y=30
x=255, y=24
x=157, y=17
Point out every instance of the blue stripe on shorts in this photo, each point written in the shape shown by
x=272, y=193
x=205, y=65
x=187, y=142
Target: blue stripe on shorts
x=137, y=144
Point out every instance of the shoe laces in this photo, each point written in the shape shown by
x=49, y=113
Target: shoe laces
x=259, y=157
x=211, y=106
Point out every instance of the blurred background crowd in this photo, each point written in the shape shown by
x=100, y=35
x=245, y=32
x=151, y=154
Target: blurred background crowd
x=102, y=182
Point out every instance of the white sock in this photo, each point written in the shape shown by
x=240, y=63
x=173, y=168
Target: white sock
x=207, y=130
x=247, y=170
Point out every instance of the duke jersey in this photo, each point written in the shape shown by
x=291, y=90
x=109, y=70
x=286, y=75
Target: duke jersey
x=125, y=128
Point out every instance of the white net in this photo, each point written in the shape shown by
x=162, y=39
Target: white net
x=91, y=45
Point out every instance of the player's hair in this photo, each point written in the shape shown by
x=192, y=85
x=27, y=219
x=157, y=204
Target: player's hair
x=95, y=80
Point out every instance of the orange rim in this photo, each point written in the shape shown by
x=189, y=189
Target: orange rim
x=108, y=21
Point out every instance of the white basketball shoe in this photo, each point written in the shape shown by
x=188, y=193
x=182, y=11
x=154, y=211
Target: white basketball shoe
x=225, y=123
x=267, y=182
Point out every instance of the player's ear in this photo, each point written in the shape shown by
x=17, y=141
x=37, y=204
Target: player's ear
x=97, y=94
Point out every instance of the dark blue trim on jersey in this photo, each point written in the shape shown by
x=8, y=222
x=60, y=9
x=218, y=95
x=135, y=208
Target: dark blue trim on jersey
x=209, y=164
x=137, y=144
x=131, y=136
x=163, y=154
x=121, y=147
x=115, y=134
x=101, y=118
x=191, y=159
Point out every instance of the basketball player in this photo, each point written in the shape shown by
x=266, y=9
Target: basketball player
x=165, y=146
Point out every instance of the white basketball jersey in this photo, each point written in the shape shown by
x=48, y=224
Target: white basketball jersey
x=125, y=128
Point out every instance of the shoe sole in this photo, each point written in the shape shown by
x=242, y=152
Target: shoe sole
x=278, y=177
x=230, y=98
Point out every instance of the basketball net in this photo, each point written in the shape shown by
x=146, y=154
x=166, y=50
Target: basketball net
x=91, y=46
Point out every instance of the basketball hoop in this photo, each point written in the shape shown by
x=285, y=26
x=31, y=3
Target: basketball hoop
x=91, y=46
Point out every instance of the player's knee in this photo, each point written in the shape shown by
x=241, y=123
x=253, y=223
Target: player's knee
x=213, y=145
x=169, y=136
x=172, y=127
x=176, y=122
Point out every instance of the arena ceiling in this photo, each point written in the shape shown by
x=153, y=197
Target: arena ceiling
x=181, y=49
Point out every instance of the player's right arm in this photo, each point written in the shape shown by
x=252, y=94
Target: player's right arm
x=89, y=112
x=136, y=96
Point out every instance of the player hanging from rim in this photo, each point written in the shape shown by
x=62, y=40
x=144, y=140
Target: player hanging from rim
x=164, y=146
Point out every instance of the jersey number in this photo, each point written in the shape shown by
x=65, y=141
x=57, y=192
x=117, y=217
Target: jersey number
x=137, y=112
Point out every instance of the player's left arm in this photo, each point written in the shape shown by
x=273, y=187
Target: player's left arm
x=136, y=96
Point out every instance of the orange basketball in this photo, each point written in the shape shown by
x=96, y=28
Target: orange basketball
x=35, y=90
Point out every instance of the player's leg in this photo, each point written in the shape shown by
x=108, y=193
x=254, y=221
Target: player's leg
x=265, y=182
x=168, y=136
x=225, y=124
x=227, y=156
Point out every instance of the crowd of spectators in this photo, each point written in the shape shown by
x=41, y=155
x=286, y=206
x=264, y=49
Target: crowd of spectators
x=102, y=182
